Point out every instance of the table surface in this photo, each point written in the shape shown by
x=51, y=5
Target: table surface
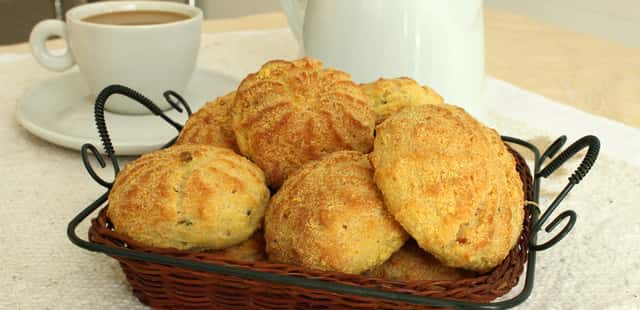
x=591, y=74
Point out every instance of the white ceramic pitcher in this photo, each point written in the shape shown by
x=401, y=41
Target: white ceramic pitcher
x=436, y=42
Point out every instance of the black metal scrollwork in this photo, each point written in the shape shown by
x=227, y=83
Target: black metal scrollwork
x=593, y=145
x=174, y=99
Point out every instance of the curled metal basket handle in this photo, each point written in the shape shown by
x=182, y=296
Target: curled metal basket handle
x=173, y=98
x=592, y=143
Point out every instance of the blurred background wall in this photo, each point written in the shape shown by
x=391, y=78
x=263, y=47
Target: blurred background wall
x=234, y=8
x=17, y=17
x=616, y=20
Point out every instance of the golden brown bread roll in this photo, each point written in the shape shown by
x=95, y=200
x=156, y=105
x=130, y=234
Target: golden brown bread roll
x=211, y=125
x=411, y=263
x=189, y=197
x=329, y=215
x=451, y=183
x=292, y=112
x=388, y=96
x=251, y=250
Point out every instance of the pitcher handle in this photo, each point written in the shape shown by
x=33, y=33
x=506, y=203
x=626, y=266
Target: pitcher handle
x=294, y=9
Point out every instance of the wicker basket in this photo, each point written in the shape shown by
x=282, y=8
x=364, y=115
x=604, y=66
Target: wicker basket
x=163, y=286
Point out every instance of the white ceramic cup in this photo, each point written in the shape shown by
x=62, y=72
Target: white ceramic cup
x=438, y=43
x=148, y=58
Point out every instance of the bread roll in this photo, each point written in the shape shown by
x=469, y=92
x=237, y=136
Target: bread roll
x=251, y=250
x=411, y=263
x=388, y=96
x=292, y=112
x=211, y=125
x=451, y=183
x=329, y=215
x=189, y=197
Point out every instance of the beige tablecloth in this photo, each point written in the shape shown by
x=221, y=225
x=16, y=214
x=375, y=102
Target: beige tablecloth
x=44, y=186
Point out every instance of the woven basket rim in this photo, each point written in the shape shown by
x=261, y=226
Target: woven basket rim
x=481, y=288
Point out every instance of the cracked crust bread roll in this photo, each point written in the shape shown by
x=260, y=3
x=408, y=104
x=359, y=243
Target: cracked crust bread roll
x=411, y=263
x=329, y=215
x=189, y=197
x=451, y=183
x=211, y=125
x=292, y=112
x=388, y=96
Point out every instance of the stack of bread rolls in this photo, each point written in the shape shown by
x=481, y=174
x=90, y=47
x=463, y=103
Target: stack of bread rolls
x=300, y=165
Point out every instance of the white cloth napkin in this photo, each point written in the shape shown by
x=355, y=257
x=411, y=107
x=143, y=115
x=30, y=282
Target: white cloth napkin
x=43, y=186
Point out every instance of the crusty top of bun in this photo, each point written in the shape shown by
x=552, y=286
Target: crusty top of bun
x=292, y=112
x=189, y=197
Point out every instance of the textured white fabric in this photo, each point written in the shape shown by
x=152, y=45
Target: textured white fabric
x=43, y=186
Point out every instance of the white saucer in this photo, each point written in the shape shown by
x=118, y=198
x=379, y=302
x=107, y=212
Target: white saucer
x=60, y=110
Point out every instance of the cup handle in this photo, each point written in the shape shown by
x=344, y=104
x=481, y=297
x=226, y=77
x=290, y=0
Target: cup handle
x=38, y=38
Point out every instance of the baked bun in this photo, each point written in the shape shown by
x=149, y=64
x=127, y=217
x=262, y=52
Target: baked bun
x=251, y=250
x=329, y=215
x=451, y=183
x=189, y=197
x=292, y=112
x=411, y=263
x=211, y=125
x=388, y=96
